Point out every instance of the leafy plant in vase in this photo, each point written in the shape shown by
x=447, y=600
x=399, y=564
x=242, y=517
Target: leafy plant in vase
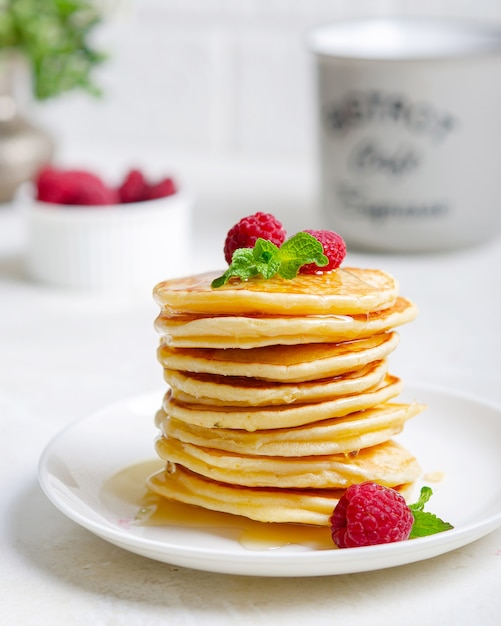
x=45, y=51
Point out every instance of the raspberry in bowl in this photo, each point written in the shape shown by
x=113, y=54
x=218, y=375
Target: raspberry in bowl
x=87, y=234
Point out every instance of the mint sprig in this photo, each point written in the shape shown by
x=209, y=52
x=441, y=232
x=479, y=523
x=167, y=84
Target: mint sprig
x=426, y=523
x=266, y=259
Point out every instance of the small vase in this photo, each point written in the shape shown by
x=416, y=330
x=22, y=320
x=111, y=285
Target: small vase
x=23, y=146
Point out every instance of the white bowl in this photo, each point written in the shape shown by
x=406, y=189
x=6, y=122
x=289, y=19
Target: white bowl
x=116, y=248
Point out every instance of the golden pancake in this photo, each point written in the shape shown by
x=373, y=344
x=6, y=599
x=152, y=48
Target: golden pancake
x=387, y=463
x=340, y=435
x=300, y=506
x=281, y=363
x=287, y=416
x=252, y=332
x=280, y=396
x=344, y=291
x=240, y=391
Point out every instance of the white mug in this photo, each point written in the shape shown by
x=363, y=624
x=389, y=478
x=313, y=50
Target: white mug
x=409, y=132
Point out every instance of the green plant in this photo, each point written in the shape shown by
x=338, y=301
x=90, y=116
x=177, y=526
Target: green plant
x=53, y=36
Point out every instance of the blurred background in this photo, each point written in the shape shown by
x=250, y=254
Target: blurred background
x=219, y=91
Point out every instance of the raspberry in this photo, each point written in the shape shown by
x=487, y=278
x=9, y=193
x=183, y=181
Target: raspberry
x=133, y=187
x=93, y=193
x=79, y=187
x=75, y=187
x=162, y=189
x=369, y=514
x=47, y=186
x=334, y=250
x=245, y=233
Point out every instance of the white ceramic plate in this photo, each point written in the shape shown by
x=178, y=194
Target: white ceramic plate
x=457, y=438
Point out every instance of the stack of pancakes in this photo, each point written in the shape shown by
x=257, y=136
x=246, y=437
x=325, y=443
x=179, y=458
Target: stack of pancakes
x=279, y=395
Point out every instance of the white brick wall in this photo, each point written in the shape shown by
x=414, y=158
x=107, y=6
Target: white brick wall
x=225, y=80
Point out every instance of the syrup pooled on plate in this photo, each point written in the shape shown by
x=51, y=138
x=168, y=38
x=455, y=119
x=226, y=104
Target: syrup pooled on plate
x=126, y=495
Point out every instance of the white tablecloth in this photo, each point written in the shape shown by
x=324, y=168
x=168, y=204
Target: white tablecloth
x=63, y=355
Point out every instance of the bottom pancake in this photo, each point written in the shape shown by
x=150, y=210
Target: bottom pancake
x=299, y=506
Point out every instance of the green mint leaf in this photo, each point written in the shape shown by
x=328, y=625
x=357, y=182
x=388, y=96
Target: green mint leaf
x=267, y=260
x=266, y=257
x=426, y=523
x=263, y=259
x=424, y=496
x=242, y=265
x=299, y=250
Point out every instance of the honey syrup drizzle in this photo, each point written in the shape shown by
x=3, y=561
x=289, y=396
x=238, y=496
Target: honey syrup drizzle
x=127, y=490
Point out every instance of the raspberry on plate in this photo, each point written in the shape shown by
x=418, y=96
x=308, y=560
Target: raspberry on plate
x=245, y=233
x=369, y=514
x=334, y=249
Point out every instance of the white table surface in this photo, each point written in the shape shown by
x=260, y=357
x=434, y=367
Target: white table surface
x=63, y=355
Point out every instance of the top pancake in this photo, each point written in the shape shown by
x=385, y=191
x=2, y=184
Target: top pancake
x=346, y=291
